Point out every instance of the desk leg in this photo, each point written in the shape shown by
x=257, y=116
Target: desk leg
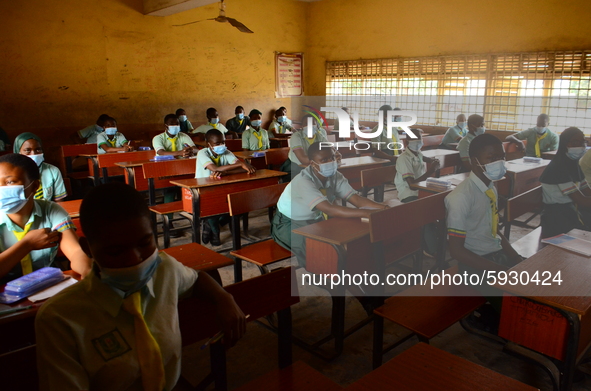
x=97, y=175
x=130, y=176
x=237, y=245
x=572, y=346
x=196, y=216
x=338, y=322
x=378, y=341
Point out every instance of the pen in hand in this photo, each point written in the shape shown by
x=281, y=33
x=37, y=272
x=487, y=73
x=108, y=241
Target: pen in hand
x=217, y=337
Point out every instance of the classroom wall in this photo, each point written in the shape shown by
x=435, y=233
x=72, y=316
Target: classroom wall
x=67, y=61
x=362, y=29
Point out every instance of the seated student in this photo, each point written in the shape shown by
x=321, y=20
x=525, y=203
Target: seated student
x=539, y=139
x=118, y=329
x=216, y=161
x=472, y=220
x=287, y=121
x=185, y=124
x=382, y=146
x=585, y=164
x=51, y=186
x=239, y=123
x=255, y=138
x=279, y=124
x=311, y=195
x=30, y=229
x=213, y=122
x=111, y=140
x=90, y=133
x=475, y=128
x=455, y=133
x=566, y=193
x=299, y=144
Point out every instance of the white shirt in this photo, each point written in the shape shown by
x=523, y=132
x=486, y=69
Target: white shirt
x=464, y=146
x=206, y=127
x=411, y=166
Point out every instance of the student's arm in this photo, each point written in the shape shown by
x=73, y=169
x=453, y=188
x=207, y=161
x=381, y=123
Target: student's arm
x=35, y=239
x=79, y=261
x=302, y=157
x=383, y=155
x=432, y=167
x=362, y=202
x=467, y=257
x=334, y=210
x=230, y=317
x=515, y=140
x=108, y=149
x=229, y=169
x=582, y=200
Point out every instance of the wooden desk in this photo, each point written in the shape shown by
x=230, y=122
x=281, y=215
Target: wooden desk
x=134, y=175
x=93, y=168
x=446, y=157
x=279, y=142
x=548, y=155
x=351, y=168
x=524, y=176
x=72, y=207
x=257, y=162
x=204, y=197
x=552, y=320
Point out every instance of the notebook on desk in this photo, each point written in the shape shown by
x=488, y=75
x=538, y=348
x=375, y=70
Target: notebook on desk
x=570, y=243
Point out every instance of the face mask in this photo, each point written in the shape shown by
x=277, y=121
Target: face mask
x=214, y=121
x=131, y=279
x=38, y=159
x=540, y=129
x=281, y=119
x=173, y=130
x=415, y=145
x=495, y=170
x=240, y=116
x=110, y=131
x=12, y=198
x=328, y=169
x=397, y=119
x=575, y=153
x=480, y=130
x=182, y=118
x=219, y=149
x=256, y=122
x=462, y=125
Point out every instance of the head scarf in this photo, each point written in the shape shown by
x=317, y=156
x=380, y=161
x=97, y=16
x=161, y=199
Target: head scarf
x=21, y=138
x=563, y=169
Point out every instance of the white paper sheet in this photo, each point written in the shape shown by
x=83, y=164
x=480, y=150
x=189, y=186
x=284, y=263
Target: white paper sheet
x=52, y=290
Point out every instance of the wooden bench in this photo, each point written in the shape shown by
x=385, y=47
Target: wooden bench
x=376, y=178
x=69, y=155
x=106, y=162
x=528, y=202
x=234, y=145
x=274, y=158
x=262, y=253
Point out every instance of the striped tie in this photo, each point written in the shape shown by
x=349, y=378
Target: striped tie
x=39, y=192
x=27, y=261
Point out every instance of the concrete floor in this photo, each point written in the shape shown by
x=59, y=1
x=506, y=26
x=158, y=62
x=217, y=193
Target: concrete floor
x=256, y=353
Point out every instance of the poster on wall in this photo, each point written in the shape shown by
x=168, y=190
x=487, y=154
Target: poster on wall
x=288, y=74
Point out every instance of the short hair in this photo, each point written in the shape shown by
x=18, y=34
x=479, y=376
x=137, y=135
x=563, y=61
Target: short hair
x=213, y=132
x=475, y=119
x=282, y=108
x=111, y=119
x=107, y=204
x=314, y=150
x=209, y=111
x=481, y=142
x=178, y=111
x=253, y=112
x=544, y=116
x=238, y=108
x=278, y=112
x=386, y=108
x=169, y=116
x=102, y=118
x=26, y=163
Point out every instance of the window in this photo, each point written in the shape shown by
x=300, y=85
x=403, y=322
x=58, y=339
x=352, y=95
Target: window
x=510, y=90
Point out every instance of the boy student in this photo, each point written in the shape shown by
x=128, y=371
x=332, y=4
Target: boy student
x=279, y=125
x=213, y=122
x=455, y=133
x=185, y=124
x=239, y=123
x=475, y=128
x=299, y=144
x=287, y=120
x=310, y=197
x=216, y=161
x=539, y=138
x=89, y=133
x=31, y=230
x=118, y=329
x=111, y=140
x=51, y=186
x=255, y=138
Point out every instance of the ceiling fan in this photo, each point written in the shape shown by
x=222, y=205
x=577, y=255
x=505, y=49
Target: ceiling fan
x=222, y=18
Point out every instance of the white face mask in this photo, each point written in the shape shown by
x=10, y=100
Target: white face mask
x=495, y=170
x=182, y=118
x=575, y=153
x=12, y=198
x=214, y=121
x=480, y=130
x=540, y=129
x=38, y=159
x=415, y=145
x=462, y=125
x=133, y=278
x=173, y=130
x=328, y=169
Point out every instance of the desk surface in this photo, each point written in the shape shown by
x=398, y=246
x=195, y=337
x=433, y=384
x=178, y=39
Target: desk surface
x=206, y=182
x=248, y=154
x=439, y=152
x=573, y=294
x=138, y=163
x=361, y=161
x=89, y=154
x=455, y=179
x=518, y=165
x=72, y=207
x=338, y=231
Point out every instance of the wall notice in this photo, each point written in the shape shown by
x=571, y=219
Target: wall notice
x=288, y=74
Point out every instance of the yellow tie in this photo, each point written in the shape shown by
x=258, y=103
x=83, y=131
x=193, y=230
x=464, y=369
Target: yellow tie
x=27, y=261
x=113, y=142
x=259, y=136
x=240, y=121
x=173, y=142
x=39, y=192
x=216, y=160
x=280, y=130
x=215, y=126
x=495, y=212
x=395, y=141
x=311, y=141
x=538, y=138
x=323, y=191
x=148, y=351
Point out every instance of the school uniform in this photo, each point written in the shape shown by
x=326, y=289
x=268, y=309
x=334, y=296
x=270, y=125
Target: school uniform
x=237, y=125
x=300, y=140
x=116, y=142
x=45, y=214
x=408, y=165
x=381, y=141
x=2, y=146
x=163, y=141
x=464, y=146
x=52, y=186
x=90, y=133
x=538, y=143
x=452, y=134
x=296, y=207
x=86, y=339
x=280, y=127
x=255, y=140
x=585, y=164
x=186, y=126
x=206, y=127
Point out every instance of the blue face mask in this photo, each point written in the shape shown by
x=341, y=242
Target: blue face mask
x=281, y=119
x=328, y=169
x=219, y=149
x=131, y=279
x=110, y=131
x=415, y=145
x=495, y=170
x=214, y=121
x=240, y=116
x=38, y=159
x=173, y=130
x=575, y=153
x=182, y=118
x=256, y=122
x=462, y=125
x=12, y=198
x=480, y=130
x=397, y=119
x=540, y=129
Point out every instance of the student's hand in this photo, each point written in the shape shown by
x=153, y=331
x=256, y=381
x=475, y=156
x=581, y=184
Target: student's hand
x=42, y=238
x=433, y=166
x=187, y=151
x=128, y=147
x=231, y=320
x=216, y=174
x=250, y=169
x=520, y=146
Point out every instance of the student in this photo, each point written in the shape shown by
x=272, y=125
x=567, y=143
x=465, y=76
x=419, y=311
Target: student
x=381, y=142
x=455, y=133
x=255, y=138
x=299, y=144
x=119, y=327
x=566, y=193
x=311, y=195
x=111, y=140
x=287, y=121
x=31, y=230
x=539, y=139
x=213, y=122
x=90, y=133
x=185, y=124
x=475, y=128
x=585, y=164
x=51, y=186
x=216, y=161
x=279, y=124
x=172, y=141
x=239, y=123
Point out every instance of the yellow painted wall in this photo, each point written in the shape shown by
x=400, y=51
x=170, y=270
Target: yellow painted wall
x=355, y=29
x=65, y=62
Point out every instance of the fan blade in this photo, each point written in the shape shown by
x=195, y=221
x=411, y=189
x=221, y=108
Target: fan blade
x=197, y=21
x=239, y=26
